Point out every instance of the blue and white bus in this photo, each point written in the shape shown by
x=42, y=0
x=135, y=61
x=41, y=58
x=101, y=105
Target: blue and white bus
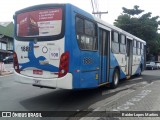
x=62, y=46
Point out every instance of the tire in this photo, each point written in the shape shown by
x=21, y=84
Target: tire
x=115, y=79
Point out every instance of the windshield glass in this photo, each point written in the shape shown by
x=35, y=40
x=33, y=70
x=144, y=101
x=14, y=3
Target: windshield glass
x=39, y=23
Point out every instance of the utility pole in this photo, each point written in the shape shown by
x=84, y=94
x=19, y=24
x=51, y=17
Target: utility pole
x=95, y=7
x=100, y=13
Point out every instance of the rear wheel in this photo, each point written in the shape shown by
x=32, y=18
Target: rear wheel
x=115, y=79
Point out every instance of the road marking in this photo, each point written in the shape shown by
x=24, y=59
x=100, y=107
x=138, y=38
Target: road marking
x=133, y=101
x=148, y=85
x=113, y=100
x=128, y=103
x=140, y=78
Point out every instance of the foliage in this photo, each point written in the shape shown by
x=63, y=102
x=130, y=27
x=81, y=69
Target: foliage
x=134, y=11
x=141, y=25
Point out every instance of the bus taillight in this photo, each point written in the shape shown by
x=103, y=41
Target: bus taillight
x=64, y=64
x=15, y=63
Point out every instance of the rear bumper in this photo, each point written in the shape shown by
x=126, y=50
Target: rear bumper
x=63, y=82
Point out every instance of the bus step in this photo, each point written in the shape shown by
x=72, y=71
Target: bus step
x=128, y=77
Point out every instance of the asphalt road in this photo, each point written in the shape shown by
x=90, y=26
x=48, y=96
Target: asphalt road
x=21, y=97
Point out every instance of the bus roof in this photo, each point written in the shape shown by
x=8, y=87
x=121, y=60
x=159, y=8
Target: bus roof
x=94, y=18
x=111, y=26
x=118, y=30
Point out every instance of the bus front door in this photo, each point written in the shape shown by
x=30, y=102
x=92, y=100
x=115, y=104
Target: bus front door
x=104, y=38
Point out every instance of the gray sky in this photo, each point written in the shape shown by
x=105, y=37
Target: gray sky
x=114, y=7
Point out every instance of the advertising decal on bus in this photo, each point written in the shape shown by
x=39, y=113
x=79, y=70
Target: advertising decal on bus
x=46, y=22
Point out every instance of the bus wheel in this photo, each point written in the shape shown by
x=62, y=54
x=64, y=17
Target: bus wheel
x=115, y=79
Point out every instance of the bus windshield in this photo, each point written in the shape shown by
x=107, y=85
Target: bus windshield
x=39, y=23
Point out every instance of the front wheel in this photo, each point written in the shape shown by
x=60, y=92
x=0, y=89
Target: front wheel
x=115, y=79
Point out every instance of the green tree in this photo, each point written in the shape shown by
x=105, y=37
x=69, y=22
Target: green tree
x=134, y=11
x=141, y=25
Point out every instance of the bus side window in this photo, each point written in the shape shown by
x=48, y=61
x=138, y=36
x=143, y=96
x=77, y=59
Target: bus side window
x=138, y=48
x=122, y=44
x=89, y=28
x=79, y=25
x=115, y=42
x=142, y=49
x=86, y=34
x=135, y=47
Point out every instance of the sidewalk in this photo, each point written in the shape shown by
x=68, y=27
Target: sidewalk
x=143, y=102
x=3, y=73
x=8, y=69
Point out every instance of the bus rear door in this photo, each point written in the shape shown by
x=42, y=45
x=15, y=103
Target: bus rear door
x=104, y=40
x=129, y=56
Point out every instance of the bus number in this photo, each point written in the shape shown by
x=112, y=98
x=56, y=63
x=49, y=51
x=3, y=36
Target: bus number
x=26, y=48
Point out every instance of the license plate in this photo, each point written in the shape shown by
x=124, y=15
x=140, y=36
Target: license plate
x=38, y=72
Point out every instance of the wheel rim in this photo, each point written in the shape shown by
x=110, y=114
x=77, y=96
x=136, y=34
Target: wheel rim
x=116, y=78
